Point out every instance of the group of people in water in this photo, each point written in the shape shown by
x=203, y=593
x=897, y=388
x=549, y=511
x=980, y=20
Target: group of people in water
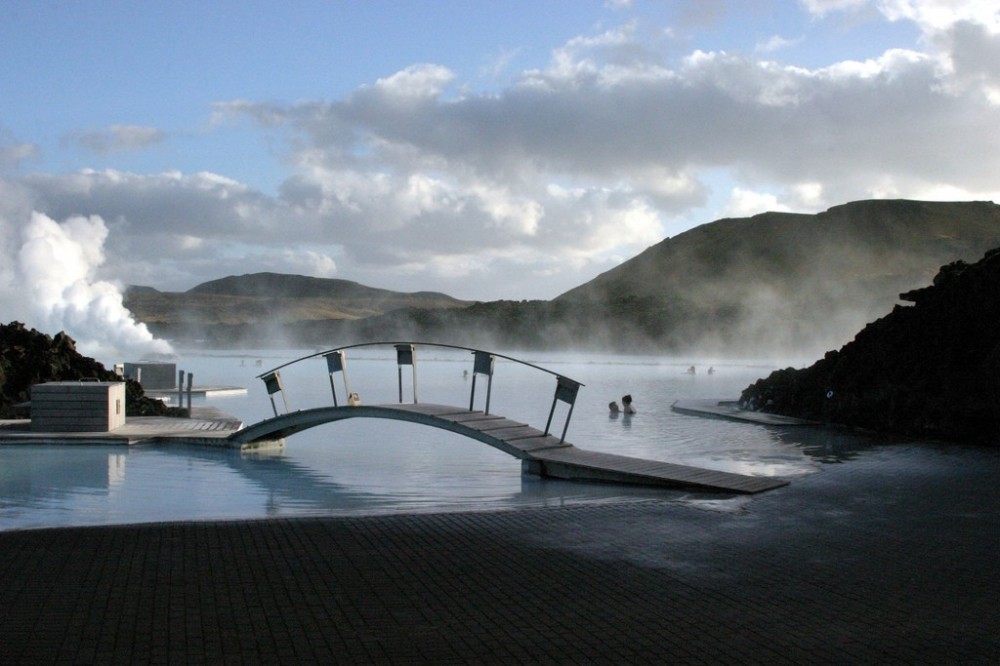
x=626, y=407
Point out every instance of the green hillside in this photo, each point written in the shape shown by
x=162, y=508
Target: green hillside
x=790, y=282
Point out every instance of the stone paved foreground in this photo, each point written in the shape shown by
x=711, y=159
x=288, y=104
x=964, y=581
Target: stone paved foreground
x=892, y=557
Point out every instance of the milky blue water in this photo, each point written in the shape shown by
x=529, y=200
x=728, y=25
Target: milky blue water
x=369, y=466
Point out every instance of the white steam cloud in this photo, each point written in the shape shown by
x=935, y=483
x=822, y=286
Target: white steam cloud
x=51, y=284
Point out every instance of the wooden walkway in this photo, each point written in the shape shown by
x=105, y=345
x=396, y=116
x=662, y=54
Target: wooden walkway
x=729, y=409
x=207, y=427
x=541, y=454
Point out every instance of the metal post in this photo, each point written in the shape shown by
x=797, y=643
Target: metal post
x=406, y=355
x=190, y=382
x=482, y=365
x=180, y=389
x=336, y=361
x=566, y=390
x=273, y=383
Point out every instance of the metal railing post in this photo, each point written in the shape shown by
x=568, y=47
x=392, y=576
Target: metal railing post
x=482, y=365
x=406, y=355
x=336, y=361
x=566, y=390
x=273, y=383
x=180, y=389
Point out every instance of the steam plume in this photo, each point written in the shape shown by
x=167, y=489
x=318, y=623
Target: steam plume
x=51, y=285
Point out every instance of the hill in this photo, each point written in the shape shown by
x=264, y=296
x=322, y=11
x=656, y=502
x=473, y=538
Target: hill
x=930, y=369
x=775, y=284
x=790, y=282
x=267, y=301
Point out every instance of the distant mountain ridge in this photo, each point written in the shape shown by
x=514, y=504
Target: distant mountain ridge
x=775, y=284
x=283, y=285
x=267, y=299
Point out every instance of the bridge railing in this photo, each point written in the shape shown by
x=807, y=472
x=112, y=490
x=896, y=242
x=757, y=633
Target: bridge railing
x=483, y=364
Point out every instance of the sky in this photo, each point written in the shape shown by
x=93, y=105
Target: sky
x=487, y=150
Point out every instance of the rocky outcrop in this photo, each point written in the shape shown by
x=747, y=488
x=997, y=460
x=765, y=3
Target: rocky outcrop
x=28, y=357
x=930, y=369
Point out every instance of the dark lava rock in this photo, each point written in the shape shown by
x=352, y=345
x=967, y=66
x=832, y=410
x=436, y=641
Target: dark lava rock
x=931, y=369
x=28, y=357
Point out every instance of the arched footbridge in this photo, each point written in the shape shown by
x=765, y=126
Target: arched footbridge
x=542, y=452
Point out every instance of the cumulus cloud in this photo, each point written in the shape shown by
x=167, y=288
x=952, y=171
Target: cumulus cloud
x=118, y=138
x=597, y=116
x=744, y=203
x=416, y=181
x=776, y=43
x=821, y=8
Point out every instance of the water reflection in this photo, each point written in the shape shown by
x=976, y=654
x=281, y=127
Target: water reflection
x=829, y=445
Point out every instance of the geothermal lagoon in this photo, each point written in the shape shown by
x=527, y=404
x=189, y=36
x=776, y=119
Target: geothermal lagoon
x=369, y=466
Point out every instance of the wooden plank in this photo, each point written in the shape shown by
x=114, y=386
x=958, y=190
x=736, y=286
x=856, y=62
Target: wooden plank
x=473, y=418
x=491, y=425
x=668, y=473
x=428, y=409
x=516, y=433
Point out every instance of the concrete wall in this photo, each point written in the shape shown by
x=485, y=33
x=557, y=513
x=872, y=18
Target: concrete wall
x=153, y=376
x=77, y=406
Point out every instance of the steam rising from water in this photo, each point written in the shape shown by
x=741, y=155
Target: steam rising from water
x=50, y=283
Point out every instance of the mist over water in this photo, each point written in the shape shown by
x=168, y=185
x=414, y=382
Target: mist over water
x=370, y=466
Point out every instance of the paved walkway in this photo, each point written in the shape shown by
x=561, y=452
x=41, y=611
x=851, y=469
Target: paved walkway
x=892, y=557
x=207, y=424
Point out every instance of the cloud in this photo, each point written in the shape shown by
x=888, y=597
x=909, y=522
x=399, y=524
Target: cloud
x=776, y=43
x=595, y=117
x=940, y=15
x=13, y=152
x=414, y=181
x=118, y=138
x=821, y=8
x=744, y=203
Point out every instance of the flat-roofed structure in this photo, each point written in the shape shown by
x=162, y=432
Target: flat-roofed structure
x=70, y=406
x=153, y=375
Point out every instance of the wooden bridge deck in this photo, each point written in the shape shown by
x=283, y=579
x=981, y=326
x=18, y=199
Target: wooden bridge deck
x=540, y=454
x=729, y=409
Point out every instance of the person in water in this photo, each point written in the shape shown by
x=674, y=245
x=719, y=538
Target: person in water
x=613, y=407
x=627, y=404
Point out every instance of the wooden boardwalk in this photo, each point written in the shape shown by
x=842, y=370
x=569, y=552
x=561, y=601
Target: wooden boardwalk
x=541, y=454
x=207, y=427
x=729, y=409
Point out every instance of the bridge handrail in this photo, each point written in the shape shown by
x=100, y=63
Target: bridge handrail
x=566, y=387
x=418, y=344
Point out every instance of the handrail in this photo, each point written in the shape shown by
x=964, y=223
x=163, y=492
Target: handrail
x=566, y=387
x=421, y=344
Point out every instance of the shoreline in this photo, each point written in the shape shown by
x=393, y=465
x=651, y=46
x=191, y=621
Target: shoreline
x=892, y=557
